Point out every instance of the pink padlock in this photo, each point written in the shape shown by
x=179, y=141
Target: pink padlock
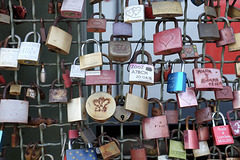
x=172, y=115
x=190, y=136
x=66, y=75
x=204, y=114
x=203, y=132
x=73, y=133
x=236, y=96
x=225, y=93
x=234, y=125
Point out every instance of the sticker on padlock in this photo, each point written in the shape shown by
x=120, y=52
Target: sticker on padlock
x=72, y=8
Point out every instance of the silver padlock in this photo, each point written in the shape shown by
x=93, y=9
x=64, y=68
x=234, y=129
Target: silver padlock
x=76, y=72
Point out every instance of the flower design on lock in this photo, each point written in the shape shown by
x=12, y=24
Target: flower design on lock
x=101, y=104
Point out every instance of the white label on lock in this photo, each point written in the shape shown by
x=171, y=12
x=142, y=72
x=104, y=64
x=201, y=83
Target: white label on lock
x=141, y=73
x=29, y=51
x=72, y=5
x=93, y=73
x=75, y=72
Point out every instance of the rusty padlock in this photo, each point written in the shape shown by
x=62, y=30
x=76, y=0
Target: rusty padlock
x=97, y=24
x=172, y=115
x=233, y=11
x=138, y=153
x=43, y=31
x=235, y=157
x=58, y=95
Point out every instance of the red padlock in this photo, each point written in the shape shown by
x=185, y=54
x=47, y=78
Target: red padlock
x=190, y=136
x=96, y=24
x=226, y=93
x=2, y=80
x=172, y=115
x=73, y=133
x=234, y=125
x=148, y=11
x=138, y=153
x=203, y=115
x=158, y=71
x=66, y=75
x=19, y=12
x=203, y=132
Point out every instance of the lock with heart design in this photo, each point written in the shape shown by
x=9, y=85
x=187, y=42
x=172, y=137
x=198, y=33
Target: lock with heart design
x=237, y=66
x=218, y=151
x=203, y=115
x=209, y=8
x=234, y=125
x=172, y=115
x=72, y=8
x=236, y=96
x=133, y=13
x=226, y=93
x=121, y=29
x=190, y=136
x=97, y=24
x=233, y=11
x=148, y=11
x=189, y=51
x=203, y=132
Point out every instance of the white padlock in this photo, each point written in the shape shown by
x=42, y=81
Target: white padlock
x=76, y=72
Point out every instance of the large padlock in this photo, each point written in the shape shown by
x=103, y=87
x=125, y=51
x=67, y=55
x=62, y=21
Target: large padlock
x=176, y=148
x=138, y=153
x=76, y=107
x=59, y=40
x=92, y=60
x=190, y=136
x=72, y=8
x=226, y=93
x=121, y=114
x=157, y=126
x=203, y=149
x=66, y=75
x=141, y=107
x=177, y=80
x=76, y=72
x=203, y=132
x=97, y=24
x=119, y=50
x=2, y=135
x=122, y=29
x=142, y=74
x=101, y=77
x=167, y=9
x=58, y=95
x=29, y=52
x=15, y=137
x=8, y=56
x=148, y=11
x=87, y=134
x=226, y=34
x=95, y=1
x=207, y=31
x=207, y=79
x=233, y=11
x=168, y=41
x=235, y=157
x=237, y=66
x=134, y=13
x=172, y=115
x=221, y=134
x=189, y=51
x=234, y=125
x=218, y=151
x=209, y=8
x=203, y=115
x=4, y=14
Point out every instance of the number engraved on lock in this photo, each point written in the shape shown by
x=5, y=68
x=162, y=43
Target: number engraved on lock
x=101, y=104
x=134, y=12
x=166, y=39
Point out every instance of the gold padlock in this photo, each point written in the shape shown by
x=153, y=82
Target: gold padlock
x=167, y=9
x=15, y=89
x=31, y=93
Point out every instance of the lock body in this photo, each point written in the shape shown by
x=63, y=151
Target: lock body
x=176, y=82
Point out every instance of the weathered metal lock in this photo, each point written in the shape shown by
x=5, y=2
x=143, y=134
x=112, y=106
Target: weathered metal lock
x=203, y=149
x=29, y=52
x=234, y=125
x=197, y=2
x=19, y=12
x=209, y=8
x=15, y=137
x=73, y=133
x=121, y=29
x=101, y=77
x=97, y=24
x=232, y=158
x=66, y=75
x=141, y=107
x=203, y=115
x=15, y=89
x=2, y=135
x=4, y=14
x=176, y=148
x=226, y=34
x=101, y=106
x=119, y=50
x=31, y=93
x=142, y=74
x=235, y=46
x=121, y=114
x=134, y=13
x=236, y=96
x=219, y=153
x=207, y=31
x=168, y=41
x=148, y=11
x=13, y=110
x=233, y=11
x=189, y=51
x=158, y=71
x=138, y=153
x=226, y=93
x=218, y=8
x=177, y=81
x=95, y=1
x=155, y=127
x=172, y=115
x=59, y=40
x=237, y=66
x=92, y=60
x=207, y=79
x=43, y=31
x=76, y=72
x=190, y=136
x=72, y=8
x=167, y=9
x=76, y=107
x=8, y=56
x=221, y=134
x=57, y=95
x=33, y=152
x=87, y=134
x=203, y=132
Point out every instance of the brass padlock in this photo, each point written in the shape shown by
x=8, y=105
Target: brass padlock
x=31, y=93
x=15, y=89
x=237, y=66
x=167, y=9
x=209, y=10
x=233, y=11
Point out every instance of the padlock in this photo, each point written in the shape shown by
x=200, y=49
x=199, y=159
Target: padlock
x=97, y=24
x=177, y=80
x=190, y=136
x=218, y=8
x=168, y=41
x=15, y=137
x=73, y=133
x=121, y=29
x=59, y=40
x=51, y=7
x=235, y=157
x=72, y=8
x=234, y=125
x=134, y=13
x=4, y=14
x=142, y=74
x=167, y=9
x=203, y=149
x=189, y=51
x=209, y=9
x=203, y=115
x=233, y=11
x=101, y=77
x=43, y=31
x=219, y=153
x=203, y=132
x=207, y=79
x=157, y=71
x=221, y=134
x=76, y=107
x=237, y=66
x=156, y=111
x=187, y=98
x=226, y=35
x=176, y=148
x=76, y=72
x=141, y=107
x=33, y=152
x=19, y=12
x=2, y=80
x=138, y=153
x=213, y=106
x=66, y=75
x=95, y=1
x=207, y=31
x=42, y=74
x=92, y=60
x=235, y=46
x=172, y=115
x=31, y=93
x=121, y=114
x=87, y=134
x=2, y=135
x=148, y=11
x=8, y=56
x=119, y=51
x=15, y=89
x=59, y=6
x=155, y=127
x=58, y=95
x=29, y=52
x=226, y=93
x=197, y=2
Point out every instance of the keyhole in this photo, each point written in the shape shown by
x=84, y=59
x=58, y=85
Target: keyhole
x=122, y=116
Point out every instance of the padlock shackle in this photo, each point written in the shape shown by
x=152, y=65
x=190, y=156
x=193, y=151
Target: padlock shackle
x=175, y=131
x=34, y=148
x=234, y=147
x=117, y=16
x=68, y=23
x=209, y=57
x=90, y=40
x=231, y=111
x=42, y=23
x=223, y=119
x=8, y=85
x=201, y=126
x=149, y=3
x=126, y=2
x=182, y=66
x=3, y=5
x=104, y=136
x=6, y=41
x=234, y=85
x=47, y=155
x=53, y=83
x=225, y=19
x=97, y=13
x=205, y=101
x=155, y=100
x=74, y=62
x=218, y=150
x=203, y=14
x=237, y=59
x=165, y=19
x=156, y=61
x=110, y=61
x=29, y=33
x=111, y=38
x=79, y=89
x=169, y=101
x=119, y=100
x=139, y=141
x=193, y=123
x=226, y=80
x=137, y=53
x=2, y=43
x=189, y=39
x=42, y=95
x=145, y=87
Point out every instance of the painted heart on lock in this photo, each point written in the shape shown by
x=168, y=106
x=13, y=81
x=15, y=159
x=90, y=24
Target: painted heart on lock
x=97, y=23
x=166, y=39
x=129, y=13
x=188, y=50
x=187, y=96
x=136, y=10
x=225, y=91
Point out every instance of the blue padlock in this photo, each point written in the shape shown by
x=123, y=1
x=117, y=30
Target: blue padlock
x=197, y=2
x=1, y=137
x=177, y=80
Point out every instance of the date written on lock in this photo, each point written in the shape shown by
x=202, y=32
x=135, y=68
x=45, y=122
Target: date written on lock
x=141, y=72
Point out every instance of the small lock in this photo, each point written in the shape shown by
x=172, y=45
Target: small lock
x=31, y=93
x=15, y=89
